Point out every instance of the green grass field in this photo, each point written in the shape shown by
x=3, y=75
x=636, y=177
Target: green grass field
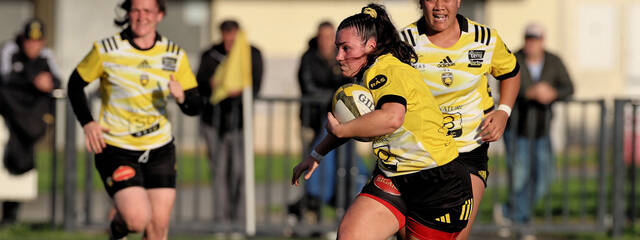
x=194, y=169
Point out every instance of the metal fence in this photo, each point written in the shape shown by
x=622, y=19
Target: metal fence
x=594, y=189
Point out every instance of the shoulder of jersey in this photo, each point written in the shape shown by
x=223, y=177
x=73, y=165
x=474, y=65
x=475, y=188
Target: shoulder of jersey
x=115, y=43
x=409, y=34
x=171, y=47
x=111, y=43
x=391, y=66
x=481, y=33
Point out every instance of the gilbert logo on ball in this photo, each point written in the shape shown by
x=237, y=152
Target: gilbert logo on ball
x=350, y=102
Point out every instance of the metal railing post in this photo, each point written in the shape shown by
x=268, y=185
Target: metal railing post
x=602, y=165
x=54, y=162
x=70, y=178
x=618, y=169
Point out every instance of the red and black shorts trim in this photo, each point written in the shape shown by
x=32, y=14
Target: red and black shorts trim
x=440, y=198
x=477, y=162
x=121, y=168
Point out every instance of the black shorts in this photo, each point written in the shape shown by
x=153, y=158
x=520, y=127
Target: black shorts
x=121, y=168
x=477, y=161
x=439, y=198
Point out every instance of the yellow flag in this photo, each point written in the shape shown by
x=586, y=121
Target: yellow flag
x=234, y=73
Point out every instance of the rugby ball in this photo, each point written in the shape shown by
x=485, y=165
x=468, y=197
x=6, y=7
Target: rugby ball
x=351, y=101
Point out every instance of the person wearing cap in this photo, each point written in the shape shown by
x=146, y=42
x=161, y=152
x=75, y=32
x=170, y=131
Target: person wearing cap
x=544, y=80
x=28, y=76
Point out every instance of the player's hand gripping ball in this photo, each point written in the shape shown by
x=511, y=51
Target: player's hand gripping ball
x=350, y=102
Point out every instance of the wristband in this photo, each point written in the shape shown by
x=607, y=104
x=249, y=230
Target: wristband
x=505, y=108
x=316, y=156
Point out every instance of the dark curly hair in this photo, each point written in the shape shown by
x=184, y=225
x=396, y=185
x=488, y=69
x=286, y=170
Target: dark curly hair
x=126, y=5
x=382, y=29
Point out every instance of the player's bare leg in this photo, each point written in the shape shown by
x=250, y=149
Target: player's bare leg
x=478, y=191
x=366, y=218
x=161, y=200
x=133, y=210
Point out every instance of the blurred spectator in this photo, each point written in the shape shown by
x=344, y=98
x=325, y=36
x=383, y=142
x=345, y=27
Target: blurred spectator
x=319, y=76
x=544, y=79
x=222, y=126
x=27, y=78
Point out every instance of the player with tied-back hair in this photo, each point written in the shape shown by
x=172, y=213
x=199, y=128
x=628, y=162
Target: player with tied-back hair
x=417, y=181
x=138, y=70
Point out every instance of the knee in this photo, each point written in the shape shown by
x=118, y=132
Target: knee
x=137, y=223
x=159, y=225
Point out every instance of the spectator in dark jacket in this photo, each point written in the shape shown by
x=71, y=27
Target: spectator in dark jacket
x=221, y=126
x=544, y=80
x=319, y=76
x=27, y=79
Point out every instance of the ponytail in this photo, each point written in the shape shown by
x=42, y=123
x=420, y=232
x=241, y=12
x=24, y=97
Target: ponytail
x=374, y=22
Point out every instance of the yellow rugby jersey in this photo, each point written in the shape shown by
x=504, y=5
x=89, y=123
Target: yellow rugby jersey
x=421, y=142
x=457, y=77
x=134, y=88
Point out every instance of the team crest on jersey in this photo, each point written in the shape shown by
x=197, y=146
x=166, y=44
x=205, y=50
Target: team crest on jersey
x=475, y=58
x=169, y=64
x=447, y=78
x=377, y=82
x=144, y=79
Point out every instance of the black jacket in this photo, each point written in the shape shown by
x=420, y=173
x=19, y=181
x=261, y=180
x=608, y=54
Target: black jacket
x=555, y=74
x=22, y=105
x=209, y=62
x=318, y=79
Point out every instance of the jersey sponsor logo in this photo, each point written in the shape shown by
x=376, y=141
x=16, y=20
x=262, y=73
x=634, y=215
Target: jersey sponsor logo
x=377, y=82
x=123, y=173
x=144, y=64
x=386, y=185
x=420, y=66
x=153, y=128
x=476, y=58
x=446, y=62
x=450, y=108
x=447, y=78
x=169, y=64
x=453, y=124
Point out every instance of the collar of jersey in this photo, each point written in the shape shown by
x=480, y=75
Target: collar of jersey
x=128, y=35
x=462, y=21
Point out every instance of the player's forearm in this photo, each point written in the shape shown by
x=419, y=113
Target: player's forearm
x=78, y=99
x=509, y=89
x=377, y=123
x=328, y=143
